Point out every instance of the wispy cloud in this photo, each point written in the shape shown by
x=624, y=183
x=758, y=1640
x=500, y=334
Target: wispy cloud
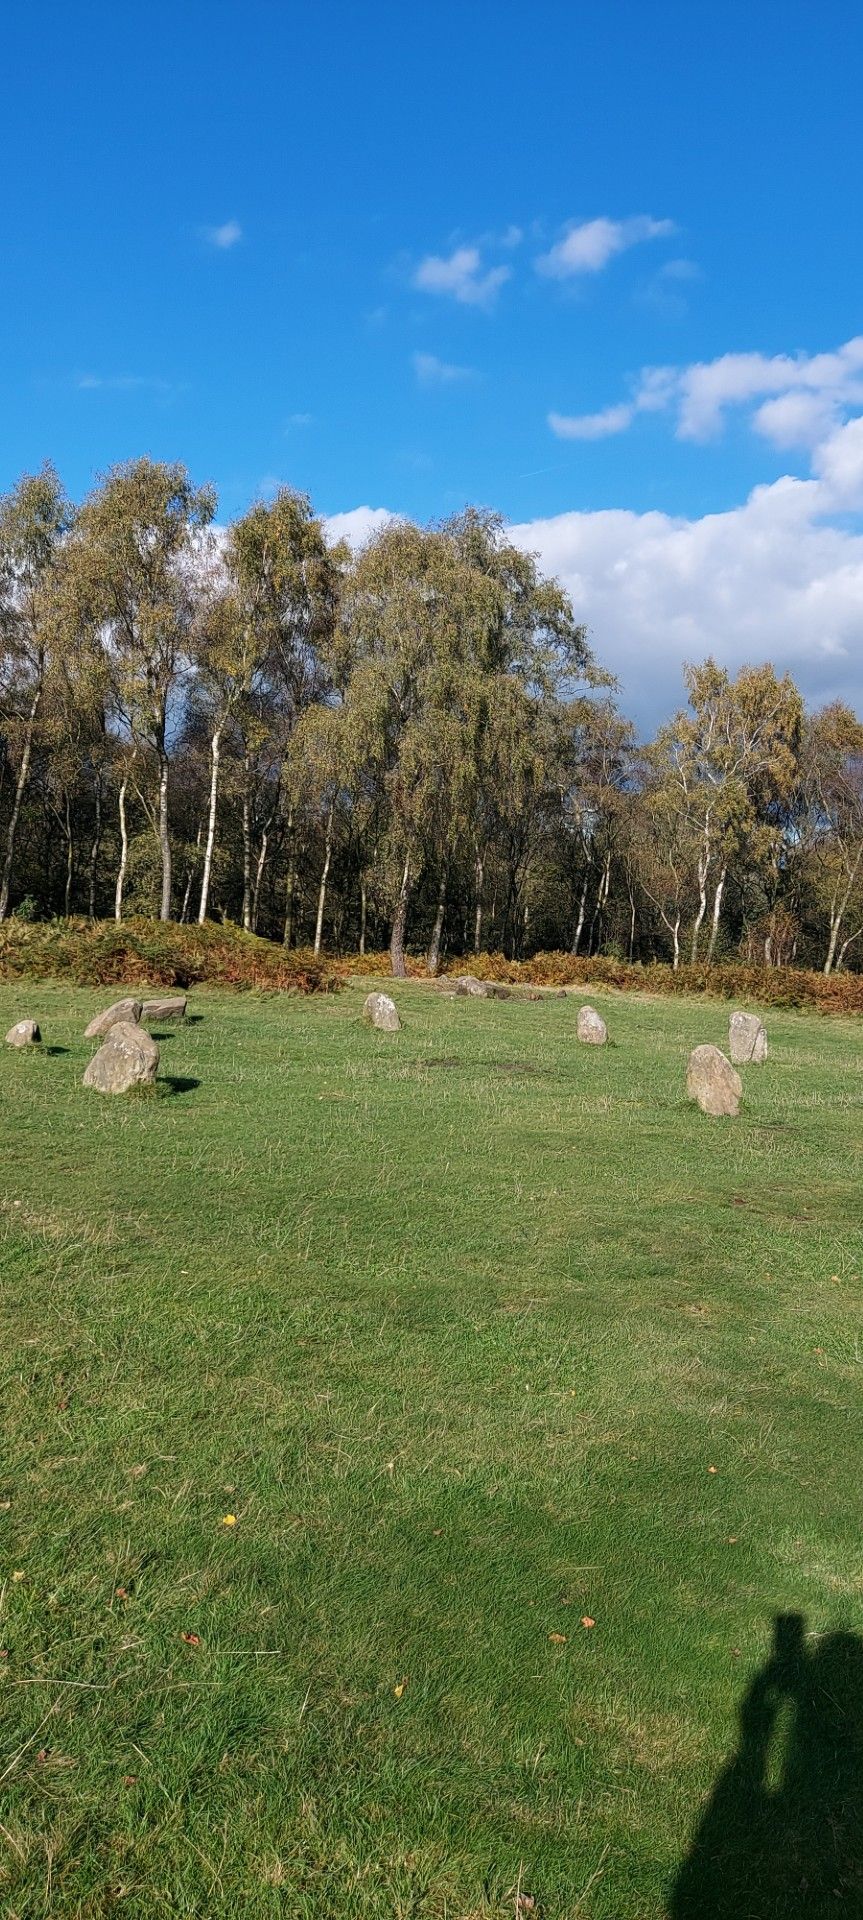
x=793, y=399
x=300, y=419
x=127, y=383
x=224, y=237
x=462, y=276
x=588, y=245
x=432, y=372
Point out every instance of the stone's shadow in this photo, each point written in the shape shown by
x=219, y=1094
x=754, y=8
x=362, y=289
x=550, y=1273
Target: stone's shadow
x=781, y=1837
x=162, y=1036
x=193, y=1019
x=173, y=1083
x=53, y=1051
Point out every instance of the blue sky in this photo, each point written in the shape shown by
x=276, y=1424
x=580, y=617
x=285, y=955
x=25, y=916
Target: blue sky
x=411, y=255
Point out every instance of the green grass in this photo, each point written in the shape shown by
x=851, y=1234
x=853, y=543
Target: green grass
x=455, y=1323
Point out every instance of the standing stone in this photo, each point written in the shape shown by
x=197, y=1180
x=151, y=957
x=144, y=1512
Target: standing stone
x=127, y=1058
x=591, y=1027
x=25, y=1033
x=173, y=1008
x=469, y=984
x=747, y=1039
x=713, y=1082
x=128, y=1011
x=382, y=1012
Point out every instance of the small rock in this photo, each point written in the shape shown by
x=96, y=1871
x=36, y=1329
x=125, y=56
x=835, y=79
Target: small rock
x=25, y=1033
x=713, y=1082
x=127, y=1058
x=747, y=1039
x=382, y=1012
x=129, y=1011
x=531, y=993
x=498, y=990
x=591, y=1027
x=154, y=1011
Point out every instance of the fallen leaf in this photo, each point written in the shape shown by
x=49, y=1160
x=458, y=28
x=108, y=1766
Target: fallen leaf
x=129, y=1779
x=557, y=1639
x=191, y=1639
x=524, y=1903
x=732, y=1540
x=399, y=1690
x=19, y=1574
x=63, y=1402
x=5, y=1505
x=229, y=1520
x=120, y=1593
x=586, y=1620
x=136, y=1472
x=711, y=1469
x=41, y=1756
x=4, y=1653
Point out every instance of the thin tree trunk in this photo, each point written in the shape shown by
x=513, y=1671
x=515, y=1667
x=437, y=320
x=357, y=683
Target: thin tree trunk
x=576, y=938
x=290, y=882
x=397, y=937
x=477, y=923
x=703, y=864
x=837, y=914
x=164, y=838
x=322, y=890
x=70, y=858
x=364, y=906
x=215, y=747
x=187, y=890
x=259, y=875
x=433, y=955
x=124, y=850
x=94, y=849
x=247, y=846
x=631, y=925
x=717, y=907
x=20, y=785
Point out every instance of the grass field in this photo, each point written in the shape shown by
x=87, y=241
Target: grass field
x=479, y=1336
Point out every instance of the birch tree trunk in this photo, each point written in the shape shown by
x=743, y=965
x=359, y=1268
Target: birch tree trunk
x=164, y=837
x=322, y=890
x=20, y=786
x=247, y=846
x=94, y=849
x=477, y=922
x=717, y=908
x=124, y=849
x=579, y=929
x=433, y=955
x=397, y=937
x=215, y=749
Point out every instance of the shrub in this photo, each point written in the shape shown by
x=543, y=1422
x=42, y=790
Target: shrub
x=728, y=980
x=154, y=953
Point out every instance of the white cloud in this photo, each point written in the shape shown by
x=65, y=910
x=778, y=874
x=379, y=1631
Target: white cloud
x=588, y=246
x=357, y=525
x=797, y=398
x=592, y=426
x=772, y=579
x=225, y=236
x=127, y=383
x=461, y=275
x=432, y=372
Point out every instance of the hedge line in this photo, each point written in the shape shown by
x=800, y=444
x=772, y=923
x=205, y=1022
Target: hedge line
x=159, y=954
x=767, y=986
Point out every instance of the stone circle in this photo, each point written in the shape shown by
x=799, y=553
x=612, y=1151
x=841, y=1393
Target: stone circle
x=127, y=1058
x=713, y=1082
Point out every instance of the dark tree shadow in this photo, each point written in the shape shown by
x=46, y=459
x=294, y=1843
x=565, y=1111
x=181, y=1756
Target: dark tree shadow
x=782, y=1835
x=172, y=1083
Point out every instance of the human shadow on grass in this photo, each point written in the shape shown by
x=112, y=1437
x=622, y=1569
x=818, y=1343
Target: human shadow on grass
x=782, y=1835
x=171, y=1083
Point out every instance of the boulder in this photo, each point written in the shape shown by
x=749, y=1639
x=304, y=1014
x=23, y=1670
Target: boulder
x=127, y=1058
x=25, y=1033
x=713, y=1082
x=591, y=1027
x=469, y=984
x=498, y=990
x=172, y=1008
x=747, y=1039
x=382, y=1012
x=129, y=1011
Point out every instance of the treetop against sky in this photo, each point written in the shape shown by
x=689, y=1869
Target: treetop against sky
x=594, y=267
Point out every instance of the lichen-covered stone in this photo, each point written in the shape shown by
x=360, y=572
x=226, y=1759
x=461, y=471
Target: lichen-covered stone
x=173, y=1007
x=382, y=1012
x=128, y=1011
x=591, y=1027
x=713, y=1082
x=127, y=1058
x=25, y=1033
x=747, y=1039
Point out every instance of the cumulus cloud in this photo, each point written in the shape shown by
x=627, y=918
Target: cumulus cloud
x=225, y=236
x=796, y=399
x=357, y=525
x=462, y=276
x=589, y=245
x=774, y=579
x=432, y=372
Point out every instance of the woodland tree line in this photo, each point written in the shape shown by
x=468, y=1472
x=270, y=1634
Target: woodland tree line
x=412, y=745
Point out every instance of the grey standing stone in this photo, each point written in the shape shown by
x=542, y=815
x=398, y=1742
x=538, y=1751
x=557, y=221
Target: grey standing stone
x=747, y=1039
x=172, y=1008
x=128, y=1011
x=127, y=1058
x=382, y=1012
x=25, y=1033
x=713, y=1082
x=591, y=1027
